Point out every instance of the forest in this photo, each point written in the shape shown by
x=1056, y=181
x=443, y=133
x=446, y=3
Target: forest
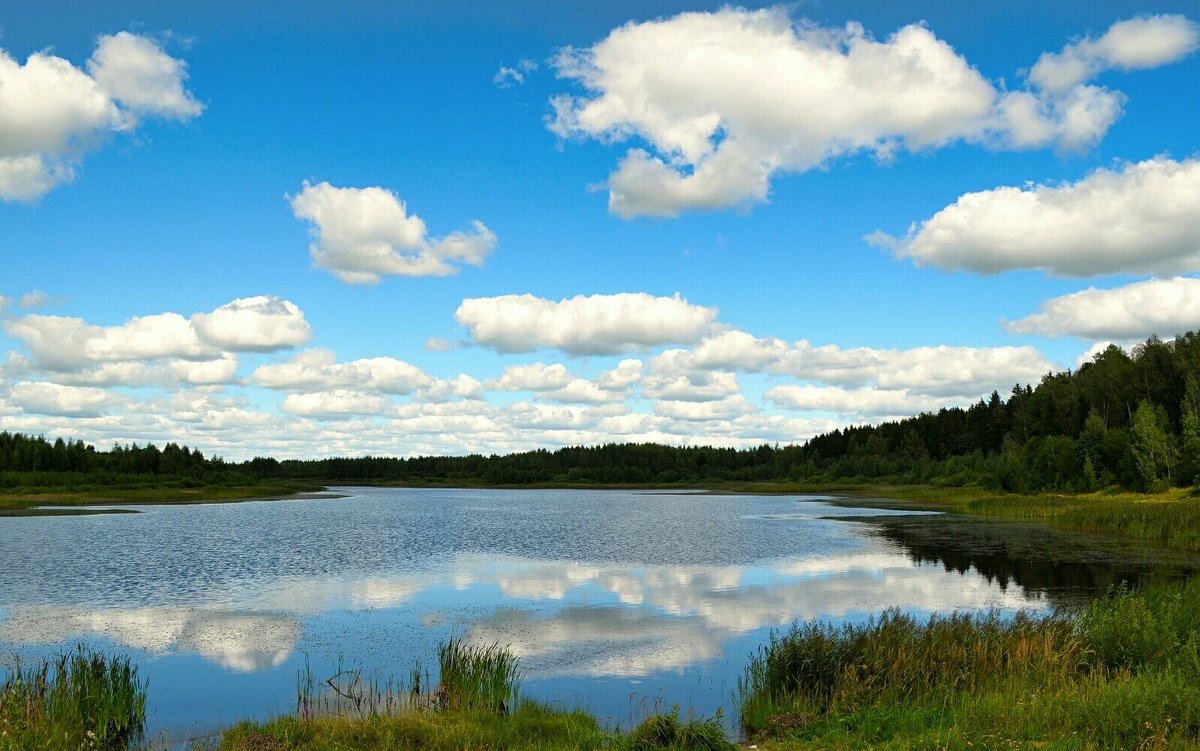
x=1123, y=419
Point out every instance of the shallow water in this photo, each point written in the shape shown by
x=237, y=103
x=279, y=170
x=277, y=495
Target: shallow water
x=616, y=601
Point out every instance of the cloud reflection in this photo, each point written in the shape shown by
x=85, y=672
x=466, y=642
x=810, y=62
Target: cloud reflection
x=238, y=641
x=561, y=617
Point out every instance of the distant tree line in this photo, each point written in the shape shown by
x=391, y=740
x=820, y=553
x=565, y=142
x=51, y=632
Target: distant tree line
x=1122, y=419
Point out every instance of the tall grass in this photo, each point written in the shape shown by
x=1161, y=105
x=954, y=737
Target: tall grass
x=1123, y=674
x=80, y=700
x=476, y=677
x=476, y=704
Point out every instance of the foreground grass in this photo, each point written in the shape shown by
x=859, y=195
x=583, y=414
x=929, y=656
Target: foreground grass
x=476, y=704
x=1125, y=674
x=79, y=701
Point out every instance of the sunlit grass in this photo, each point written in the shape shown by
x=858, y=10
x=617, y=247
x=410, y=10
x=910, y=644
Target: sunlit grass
x=1124, y=674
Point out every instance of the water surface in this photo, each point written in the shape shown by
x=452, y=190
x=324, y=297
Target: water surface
x=613, y=600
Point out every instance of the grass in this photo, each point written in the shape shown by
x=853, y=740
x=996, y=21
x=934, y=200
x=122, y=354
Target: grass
x=1124, y=674
x=1169, y=519
x=81, y=700
x=21, y=499
x=476, y=704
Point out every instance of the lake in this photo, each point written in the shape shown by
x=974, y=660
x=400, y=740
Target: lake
x=616, y=601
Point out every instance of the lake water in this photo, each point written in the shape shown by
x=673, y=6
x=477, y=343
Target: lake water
x=615, y=601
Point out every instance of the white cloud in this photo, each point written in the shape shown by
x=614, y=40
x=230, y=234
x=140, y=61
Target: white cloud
x=361, y=234
x=329, y=404
x=722, y=409
x=1145, y=42
x=434, y=344
x=533, y=377
x=626, y=374
x=937, y=371
x=507, y=77
x=222, y=370
x=866, y=402
x=257, y=324
x=596, y=324
x=722, y=102
x=64, y=401
x=61, y=343
x=254, y=324
x=700, y=386
x=462, y=385
x=34, y=299
x=51, y=112
x=1159, y=306
x=136, y=72
x=582, y=391
x=318, y=369
x=1140, y=218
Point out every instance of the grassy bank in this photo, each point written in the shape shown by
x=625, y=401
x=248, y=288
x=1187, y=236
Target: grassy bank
x=1170, y=519
x=22, y=499
x=1122, y=675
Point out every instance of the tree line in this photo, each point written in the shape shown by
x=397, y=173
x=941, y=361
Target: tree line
x=1125, y=419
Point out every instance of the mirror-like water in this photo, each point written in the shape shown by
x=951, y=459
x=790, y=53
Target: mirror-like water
x=613, y=600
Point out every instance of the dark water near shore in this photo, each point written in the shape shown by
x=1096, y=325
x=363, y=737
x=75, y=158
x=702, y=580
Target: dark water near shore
x=616, y=601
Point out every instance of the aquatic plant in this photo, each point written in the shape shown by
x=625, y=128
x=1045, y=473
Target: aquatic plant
x=1120, y=675
x=475, y=676
x=79, y=700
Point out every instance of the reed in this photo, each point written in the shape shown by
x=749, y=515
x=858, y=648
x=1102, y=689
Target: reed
x=1122, y=674
x=476, y=677
x=80, y=700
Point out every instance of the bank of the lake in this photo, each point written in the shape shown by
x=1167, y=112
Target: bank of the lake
x=28, y=500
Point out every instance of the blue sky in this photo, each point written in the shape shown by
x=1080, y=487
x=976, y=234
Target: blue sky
x=687, y=223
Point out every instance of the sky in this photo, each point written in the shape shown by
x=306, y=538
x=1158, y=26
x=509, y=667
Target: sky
x=303, y=230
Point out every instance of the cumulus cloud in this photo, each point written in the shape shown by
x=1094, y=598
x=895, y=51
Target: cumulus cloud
x=52, y=113
x=318, y=370
x=222, y=370
x=59, y=400
x=1139, y=218
x=533, y=377
x=626, y=374
x=63, y=343
x=937, y=371
x=362, y=234
x=329, y=404
x=1145, y=42
x=864, y=402
x=696, y=386
x=724, y=101
x=1159, y=306
x=585, y=325
x=135, y=71
x=721, y=409
x=254, y=324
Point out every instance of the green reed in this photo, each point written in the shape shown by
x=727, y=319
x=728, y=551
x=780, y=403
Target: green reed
x=1122, y=674
x=475, y=676
x=79, y=700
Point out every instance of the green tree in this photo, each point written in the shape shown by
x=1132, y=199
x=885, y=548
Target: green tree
x=1189, y=419
x=1152, y=445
